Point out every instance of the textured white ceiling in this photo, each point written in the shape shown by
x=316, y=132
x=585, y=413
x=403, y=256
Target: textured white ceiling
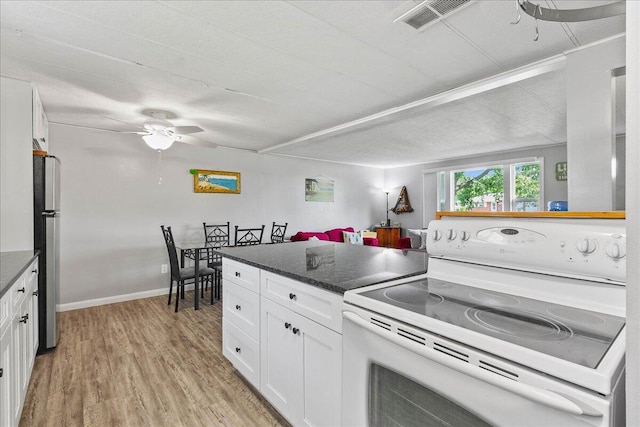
x=256, y=74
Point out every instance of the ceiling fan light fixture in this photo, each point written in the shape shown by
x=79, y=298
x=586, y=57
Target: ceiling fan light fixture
x=158, y=140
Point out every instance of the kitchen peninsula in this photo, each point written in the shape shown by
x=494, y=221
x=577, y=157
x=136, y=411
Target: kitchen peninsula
x=282, y=317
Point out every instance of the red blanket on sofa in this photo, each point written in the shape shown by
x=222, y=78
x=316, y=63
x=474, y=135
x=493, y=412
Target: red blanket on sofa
x=333, y=235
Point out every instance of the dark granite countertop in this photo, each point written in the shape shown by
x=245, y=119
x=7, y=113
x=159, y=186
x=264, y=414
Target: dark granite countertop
x=337, y=267
x=12, y=265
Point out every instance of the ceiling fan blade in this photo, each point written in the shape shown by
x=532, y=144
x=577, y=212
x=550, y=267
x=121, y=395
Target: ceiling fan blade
x=185, y=130
x=135, y=132
x=197, y=141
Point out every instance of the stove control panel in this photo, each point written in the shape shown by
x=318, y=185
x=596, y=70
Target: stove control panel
x=593, y=249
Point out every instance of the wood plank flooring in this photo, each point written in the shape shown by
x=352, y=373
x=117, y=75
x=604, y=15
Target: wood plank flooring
x=138, y=363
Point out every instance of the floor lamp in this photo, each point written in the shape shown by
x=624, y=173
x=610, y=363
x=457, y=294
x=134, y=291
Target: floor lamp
x=387, y=211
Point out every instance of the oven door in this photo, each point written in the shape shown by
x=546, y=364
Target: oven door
x=391, y=378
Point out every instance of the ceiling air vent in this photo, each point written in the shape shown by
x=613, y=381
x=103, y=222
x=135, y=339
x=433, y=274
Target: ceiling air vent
x=431, y=11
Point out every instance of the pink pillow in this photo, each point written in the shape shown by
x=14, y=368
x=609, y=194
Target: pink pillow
x=370, y=241
x=305, y=235
x=335, y=235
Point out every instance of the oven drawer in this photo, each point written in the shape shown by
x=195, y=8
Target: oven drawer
x=241, y=274
x=242, y=307
x=316, y=304
x=242, y=351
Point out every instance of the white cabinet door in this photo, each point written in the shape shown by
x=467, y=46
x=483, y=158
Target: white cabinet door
x=18, y=331
x=22, y=354
x=6, y=380
x=32, y=294
x=321, y=376
x=280, y=361
x=34, y=324
x=40, y=127
x=24, y=324
x=301, y=366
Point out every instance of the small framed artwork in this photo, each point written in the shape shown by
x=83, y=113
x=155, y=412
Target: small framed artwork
x=206, y=181
x=318, y=190
x=561, y=171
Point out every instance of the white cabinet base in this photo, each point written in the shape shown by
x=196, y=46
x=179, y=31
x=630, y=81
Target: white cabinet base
x=19, y=343
x=284, y=337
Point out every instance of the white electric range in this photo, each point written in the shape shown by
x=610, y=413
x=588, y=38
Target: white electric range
x=517, y=322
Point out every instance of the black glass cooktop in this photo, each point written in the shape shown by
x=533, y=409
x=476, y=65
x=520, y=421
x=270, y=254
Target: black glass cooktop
x=576, y=335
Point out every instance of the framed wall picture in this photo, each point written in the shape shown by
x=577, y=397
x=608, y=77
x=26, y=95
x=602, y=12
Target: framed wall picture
x=318, y=190
x=561, y=171
x=206, y=181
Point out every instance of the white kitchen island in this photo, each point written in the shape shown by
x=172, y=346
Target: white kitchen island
x=282, y=318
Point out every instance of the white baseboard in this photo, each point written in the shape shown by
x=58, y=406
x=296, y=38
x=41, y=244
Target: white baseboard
x=117, y=298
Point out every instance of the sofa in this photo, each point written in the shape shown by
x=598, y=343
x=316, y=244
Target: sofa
x=333, y=235
x=416, y=239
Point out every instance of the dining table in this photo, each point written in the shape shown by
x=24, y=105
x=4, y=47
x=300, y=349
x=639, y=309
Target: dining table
x=192, y=249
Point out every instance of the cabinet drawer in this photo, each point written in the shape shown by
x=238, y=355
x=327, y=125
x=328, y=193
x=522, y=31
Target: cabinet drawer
x=5, y=310
x=242, y=351
x=317, y=304
x=241, y=274
x=242, y=308
x=31, y=277
x=18, y=291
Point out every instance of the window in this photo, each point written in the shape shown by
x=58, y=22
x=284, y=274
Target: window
x=442, y=192
x=478, y=189
x=514, y=185
x=525, y=186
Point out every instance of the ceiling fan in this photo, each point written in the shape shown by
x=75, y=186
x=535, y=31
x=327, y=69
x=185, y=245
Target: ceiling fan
x=159, y=133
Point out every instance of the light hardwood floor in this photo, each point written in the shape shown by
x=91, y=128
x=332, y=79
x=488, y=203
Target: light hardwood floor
x=138, y=363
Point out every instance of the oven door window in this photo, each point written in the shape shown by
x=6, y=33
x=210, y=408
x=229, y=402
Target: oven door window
x=395, y=400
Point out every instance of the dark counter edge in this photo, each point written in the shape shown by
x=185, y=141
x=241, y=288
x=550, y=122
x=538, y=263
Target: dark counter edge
x=10, y=283
x=324, y=285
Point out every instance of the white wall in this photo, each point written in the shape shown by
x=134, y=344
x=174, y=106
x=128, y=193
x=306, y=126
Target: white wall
x=633, y=212
x=412, y=177
x=590, y=135
x=113, y=206
x=16, y=166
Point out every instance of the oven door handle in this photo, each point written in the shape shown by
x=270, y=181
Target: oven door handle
x=545, y=397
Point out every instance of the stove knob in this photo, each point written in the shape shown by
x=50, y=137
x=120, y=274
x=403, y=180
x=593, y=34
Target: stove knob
x=616, y=250
x=452, y=234
x=586, y=246
x=465, y=236
x=436, y=235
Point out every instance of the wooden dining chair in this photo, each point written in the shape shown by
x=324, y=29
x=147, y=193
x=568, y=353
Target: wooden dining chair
x=277, y=232
x=248, y=236
x=216, y=236
x=182, y=275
